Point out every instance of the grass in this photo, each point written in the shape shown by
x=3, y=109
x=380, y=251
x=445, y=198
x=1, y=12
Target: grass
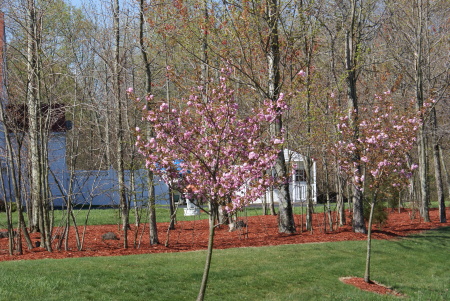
x=416, y=266
x=111, y=216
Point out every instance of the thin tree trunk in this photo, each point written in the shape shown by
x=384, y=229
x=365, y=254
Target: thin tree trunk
x=442, y=213
x=212, y=214
x=327, y=192
x=308, y=48
x=33, y=115
x=152, y=211
x=340, y=204
x=120, y=153
x=204, y=49
x=7, y=208
x=369, y=243
x=438, y=170
x=15, y=174
x=10, y=228
x=148, y=88
x=264, y=204
x=309, y=200
x=173, y=216
x=107, y=122
x=271, y=202
x=423, y=163
x=172, y=209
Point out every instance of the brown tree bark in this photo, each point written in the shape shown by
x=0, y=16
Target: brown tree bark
x=285, y=213
x=120, y=153
x=148, y=89
x=352, y=52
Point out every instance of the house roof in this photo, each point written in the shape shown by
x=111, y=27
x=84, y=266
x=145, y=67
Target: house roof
x=54, y=117
x=290, y=155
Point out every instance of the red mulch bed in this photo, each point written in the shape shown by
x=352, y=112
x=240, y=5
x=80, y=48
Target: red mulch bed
x=371, y=286
x=193, y=235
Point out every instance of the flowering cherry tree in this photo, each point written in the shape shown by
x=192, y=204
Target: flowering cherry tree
x=386, y=137
x=206, y=150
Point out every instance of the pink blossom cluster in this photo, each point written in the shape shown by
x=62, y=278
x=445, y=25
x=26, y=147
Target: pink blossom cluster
x=209, y=146
x=385, y=138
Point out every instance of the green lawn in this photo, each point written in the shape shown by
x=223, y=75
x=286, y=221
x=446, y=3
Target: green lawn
x=111, y=216
x=417, y=266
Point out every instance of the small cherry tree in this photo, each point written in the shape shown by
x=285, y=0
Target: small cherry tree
x=386, y=137
x=206, y=150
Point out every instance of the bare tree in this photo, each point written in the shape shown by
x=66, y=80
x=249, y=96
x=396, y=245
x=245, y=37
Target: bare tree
x=148, y=89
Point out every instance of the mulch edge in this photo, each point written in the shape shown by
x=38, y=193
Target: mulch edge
x=387, y=290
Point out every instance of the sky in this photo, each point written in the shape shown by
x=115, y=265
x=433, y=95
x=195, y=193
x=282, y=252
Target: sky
x=76, y=3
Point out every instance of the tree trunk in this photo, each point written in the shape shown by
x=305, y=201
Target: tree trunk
x=340, y=204
x=152, y=211
x=120, y=154
x=148, y=89
x=33, y=115
x=271, y=202
x=14, y=163
x=327, y=192
x=172, y=210
x=285, y=215
x=421, y=145
x=438, y=170
x=264, y=204
x=204, y=51
x=442, y=213
x=308, y=49
x=212, y=214
x=369, y=243
x=37, y=131
x=309, y=200
x=352, y=45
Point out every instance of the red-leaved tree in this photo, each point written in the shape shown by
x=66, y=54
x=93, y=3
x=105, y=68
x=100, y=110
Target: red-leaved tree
x=386, y=136
x=208, y=151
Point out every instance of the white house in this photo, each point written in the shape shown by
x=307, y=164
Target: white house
x=297, y=182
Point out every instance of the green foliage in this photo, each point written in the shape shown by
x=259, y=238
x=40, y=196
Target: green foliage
x=3, y=208
x=289, y=272
x=380, y=213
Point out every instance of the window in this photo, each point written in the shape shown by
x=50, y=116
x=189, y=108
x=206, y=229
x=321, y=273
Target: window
x=300, y=175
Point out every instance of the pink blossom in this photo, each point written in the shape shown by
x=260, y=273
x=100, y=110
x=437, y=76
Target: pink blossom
x=301, y=73
x=277, y=141
x=385, y=137
x=163, y=106
x=221, y=152
x=130, y=90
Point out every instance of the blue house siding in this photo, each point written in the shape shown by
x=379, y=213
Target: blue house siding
x=89, y=187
